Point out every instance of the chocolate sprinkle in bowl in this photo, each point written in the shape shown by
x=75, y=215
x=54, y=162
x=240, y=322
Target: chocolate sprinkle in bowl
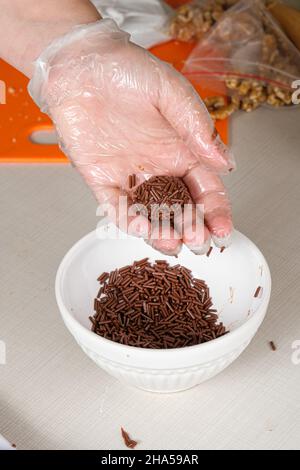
x=218, y=291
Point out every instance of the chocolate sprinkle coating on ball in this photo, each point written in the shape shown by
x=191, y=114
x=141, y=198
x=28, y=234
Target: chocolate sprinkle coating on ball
x=165, y=191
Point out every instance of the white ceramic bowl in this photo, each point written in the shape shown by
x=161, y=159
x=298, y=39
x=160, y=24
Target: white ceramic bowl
x=233, y=277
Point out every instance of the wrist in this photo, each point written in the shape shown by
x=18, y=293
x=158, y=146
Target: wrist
x=68, y=63
x=28, y=31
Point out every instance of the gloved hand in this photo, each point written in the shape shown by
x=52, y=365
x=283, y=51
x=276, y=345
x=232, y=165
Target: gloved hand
x=118, y=110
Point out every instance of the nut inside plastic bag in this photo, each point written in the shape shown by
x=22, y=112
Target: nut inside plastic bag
x=244, y=61
x=192, y=20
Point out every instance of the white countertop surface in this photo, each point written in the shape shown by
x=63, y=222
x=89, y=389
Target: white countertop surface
x=53, y=397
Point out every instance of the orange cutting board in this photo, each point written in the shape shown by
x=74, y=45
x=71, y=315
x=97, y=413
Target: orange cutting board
x=19, y=116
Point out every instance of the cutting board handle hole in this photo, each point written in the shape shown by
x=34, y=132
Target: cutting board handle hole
x=44, y=137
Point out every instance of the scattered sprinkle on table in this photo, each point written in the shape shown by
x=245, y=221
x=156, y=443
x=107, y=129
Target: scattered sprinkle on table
x=130, y=443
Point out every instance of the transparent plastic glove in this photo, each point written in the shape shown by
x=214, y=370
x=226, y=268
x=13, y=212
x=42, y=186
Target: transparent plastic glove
x=118, y=110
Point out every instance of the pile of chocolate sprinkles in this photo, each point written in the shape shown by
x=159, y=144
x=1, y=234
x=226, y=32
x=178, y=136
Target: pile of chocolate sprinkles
x=165, y=191
x=154, y=306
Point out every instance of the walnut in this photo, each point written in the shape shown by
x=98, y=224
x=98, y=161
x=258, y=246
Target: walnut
x=185, y=15
x=244, y=87
x=223, y=112
x=214, y=102
x=273, y=100
x=232, y=83
x=258, y=95
x=248, y=105
x=218, y=108
x=283, y=94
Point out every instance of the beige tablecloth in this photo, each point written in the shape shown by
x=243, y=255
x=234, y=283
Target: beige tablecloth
x=53, y=397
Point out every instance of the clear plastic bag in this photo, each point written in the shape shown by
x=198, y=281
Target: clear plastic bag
x=247, y=58
x=144, y=20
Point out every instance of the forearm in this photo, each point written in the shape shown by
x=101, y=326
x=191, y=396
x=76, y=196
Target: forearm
x=28, y=26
